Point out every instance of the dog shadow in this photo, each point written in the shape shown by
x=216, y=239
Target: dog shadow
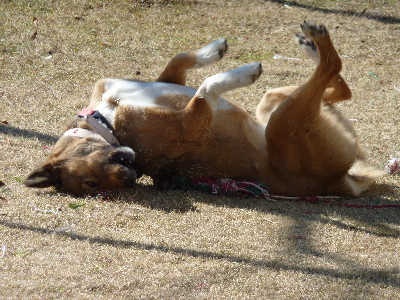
x=31, y=134
x=373, y=213
x=380, y=222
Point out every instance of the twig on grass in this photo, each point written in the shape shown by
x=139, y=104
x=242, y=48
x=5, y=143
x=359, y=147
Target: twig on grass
x=64, y=229
x=3, y=250
x=45, y=211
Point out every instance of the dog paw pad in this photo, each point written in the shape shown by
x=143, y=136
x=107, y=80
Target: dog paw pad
x=308, y=46
x=313, y=30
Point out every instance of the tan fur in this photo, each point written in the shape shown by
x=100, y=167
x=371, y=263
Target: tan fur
x=298, y=144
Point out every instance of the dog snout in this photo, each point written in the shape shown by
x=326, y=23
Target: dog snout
x=130, y=182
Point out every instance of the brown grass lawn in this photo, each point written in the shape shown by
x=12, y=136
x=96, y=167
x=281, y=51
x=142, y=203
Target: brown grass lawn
x=148, y=244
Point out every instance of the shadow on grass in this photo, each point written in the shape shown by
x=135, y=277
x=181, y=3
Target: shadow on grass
x=369, y=221
x=361, y=14
x=18, y=132
x=372, y=220
x=365, y=221
x=387, y=278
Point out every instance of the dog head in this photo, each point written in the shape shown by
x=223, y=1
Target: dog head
x=82, y=166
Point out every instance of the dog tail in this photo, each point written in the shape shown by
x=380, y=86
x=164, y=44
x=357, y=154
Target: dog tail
x=360, y=176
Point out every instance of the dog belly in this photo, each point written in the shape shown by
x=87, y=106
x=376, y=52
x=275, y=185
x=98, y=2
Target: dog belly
x=143, y=94
x=138, y=94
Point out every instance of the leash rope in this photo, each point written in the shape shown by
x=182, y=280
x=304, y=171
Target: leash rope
x=230, y=187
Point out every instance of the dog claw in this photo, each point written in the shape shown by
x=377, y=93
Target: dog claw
x=313, y=30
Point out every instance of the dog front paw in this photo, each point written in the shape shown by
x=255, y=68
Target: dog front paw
x=245, y=75
x=220, y=83
x=211, y=53
x=313, y=30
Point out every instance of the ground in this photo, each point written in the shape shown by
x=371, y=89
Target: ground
x=147, y=244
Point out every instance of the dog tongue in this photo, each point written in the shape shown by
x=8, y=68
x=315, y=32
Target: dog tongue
x=86, y=111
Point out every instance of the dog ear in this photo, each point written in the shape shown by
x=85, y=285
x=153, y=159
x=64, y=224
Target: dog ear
x=42, y=177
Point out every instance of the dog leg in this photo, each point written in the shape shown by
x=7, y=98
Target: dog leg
x=176, y=70
x=218, y=84
x=329, y=66
x=311, y=148
x=302, y=107
x=198, y=113
x=337, y=88
x=307, y=98
x=270, y=102
x=336, y=91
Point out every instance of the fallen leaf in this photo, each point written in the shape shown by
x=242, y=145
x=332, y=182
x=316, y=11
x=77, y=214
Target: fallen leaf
x=75, y=205
x=299, y=237
x=33, y=36
x=104, y=45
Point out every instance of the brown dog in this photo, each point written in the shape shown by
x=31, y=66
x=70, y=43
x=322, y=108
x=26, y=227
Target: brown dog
x=298, y=144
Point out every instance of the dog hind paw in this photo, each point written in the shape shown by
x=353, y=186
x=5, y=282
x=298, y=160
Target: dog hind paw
x=308, y=47
x=211, y=53
x=313, y=30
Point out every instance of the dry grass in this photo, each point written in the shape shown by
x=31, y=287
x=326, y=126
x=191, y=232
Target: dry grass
x=176, y=245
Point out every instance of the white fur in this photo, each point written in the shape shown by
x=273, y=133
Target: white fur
x=210, y=53
x=218, y=84
x=307, y=49
x=136, y=94
x=144, y=94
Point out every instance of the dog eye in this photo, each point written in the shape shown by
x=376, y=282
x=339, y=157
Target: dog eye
x=91, y=184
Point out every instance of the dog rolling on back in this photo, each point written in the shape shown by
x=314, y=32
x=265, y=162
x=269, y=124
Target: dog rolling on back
x=298, y=144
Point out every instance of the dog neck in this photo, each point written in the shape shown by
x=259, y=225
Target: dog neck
x=101, y=127
x=104, y=132
x=82, y=133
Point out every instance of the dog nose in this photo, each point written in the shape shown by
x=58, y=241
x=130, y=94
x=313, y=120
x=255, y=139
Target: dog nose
x=130, y=182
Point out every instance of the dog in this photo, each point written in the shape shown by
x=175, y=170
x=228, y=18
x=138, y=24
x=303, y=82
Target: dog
x=298, y=143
